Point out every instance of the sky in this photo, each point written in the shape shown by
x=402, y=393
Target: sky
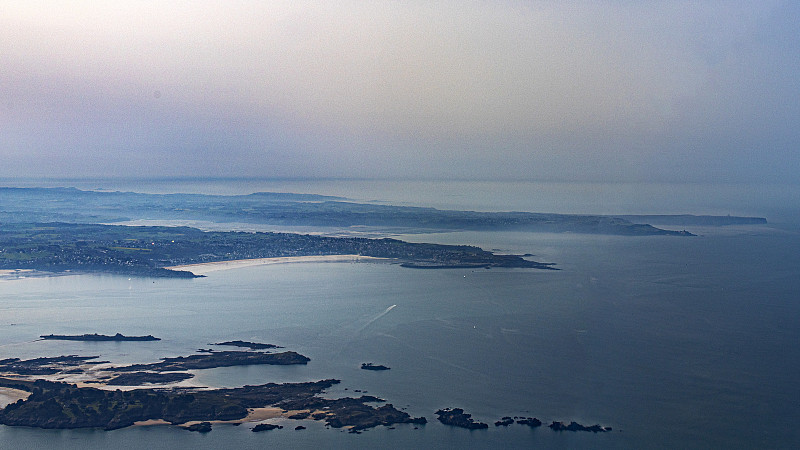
x=668, y=91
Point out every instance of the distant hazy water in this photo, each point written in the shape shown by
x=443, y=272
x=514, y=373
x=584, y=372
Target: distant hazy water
x=674, y=342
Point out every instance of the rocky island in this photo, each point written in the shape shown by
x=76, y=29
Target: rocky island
x=504, y=422
x=217, y=359
x=153, y=373
x=98, y=337
x=532, y=422
x=63, y=405
x=371, y=366
x=458, y=418
x=247, y=344
x=574, y=426
x=266, y=427
x=202, y=427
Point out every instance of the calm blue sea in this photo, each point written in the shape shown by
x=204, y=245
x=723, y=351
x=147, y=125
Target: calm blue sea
x=674, y=342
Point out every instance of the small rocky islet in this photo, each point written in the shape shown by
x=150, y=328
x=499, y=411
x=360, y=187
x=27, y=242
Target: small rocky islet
x=456, y=417
x=94, y=337
x=202, y=427
x=266, y=427
x=375, y=367
x=248, y=344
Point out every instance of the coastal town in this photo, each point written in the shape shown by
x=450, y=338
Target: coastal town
x=148, y=251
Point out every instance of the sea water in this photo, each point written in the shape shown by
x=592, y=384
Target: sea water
x=672, y=341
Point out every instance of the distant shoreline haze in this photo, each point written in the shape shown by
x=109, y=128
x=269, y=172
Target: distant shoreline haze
x=287, y=209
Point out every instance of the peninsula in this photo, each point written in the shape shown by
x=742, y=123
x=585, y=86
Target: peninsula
x=281, y=209
x=148, y=251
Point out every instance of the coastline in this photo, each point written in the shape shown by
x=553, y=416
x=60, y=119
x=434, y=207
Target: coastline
x=21, y=274
x=204, y=268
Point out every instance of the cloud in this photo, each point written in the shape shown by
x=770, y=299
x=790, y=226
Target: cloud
x=600, y=90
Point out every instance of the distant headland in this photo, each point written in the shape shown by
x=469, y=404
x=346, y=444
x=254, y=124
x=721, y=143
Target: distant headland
x=33, y=205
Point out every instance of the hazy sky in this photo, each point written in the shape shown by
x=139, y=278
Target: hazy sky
x=594, y=90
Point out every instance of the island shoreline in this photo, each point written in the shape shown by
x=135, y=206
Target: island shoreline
x=214, y=266
x=205, y=267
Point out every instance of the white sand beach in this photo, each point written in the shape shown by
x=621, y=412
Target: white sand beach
x=9, y=396
x=204, y=268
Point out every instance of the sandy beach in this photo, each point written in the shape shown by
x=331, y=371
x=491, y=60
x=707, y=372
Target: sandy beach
x=19, y=274
x=9, y=395
x=253, y=415
x=259, y=414
x=204, y=268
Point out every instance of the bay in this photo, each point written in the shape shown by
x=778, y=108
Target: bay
x=674, y=342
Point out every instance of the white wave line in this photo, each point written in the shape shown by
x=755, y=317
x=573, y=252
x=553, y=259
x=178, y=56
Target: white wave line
x=376, y=318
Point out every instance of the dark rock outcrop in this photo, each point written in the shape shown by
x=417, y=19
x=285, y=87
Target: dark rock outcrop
x=575, y=426
x=266, y=427
x=202, y=427
x=458, y=418
x=371, y=366
x=218, y=359
x=532, y=422
x=98, y=337
x=505, y=421
x=139, y=378
x=248, y=344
